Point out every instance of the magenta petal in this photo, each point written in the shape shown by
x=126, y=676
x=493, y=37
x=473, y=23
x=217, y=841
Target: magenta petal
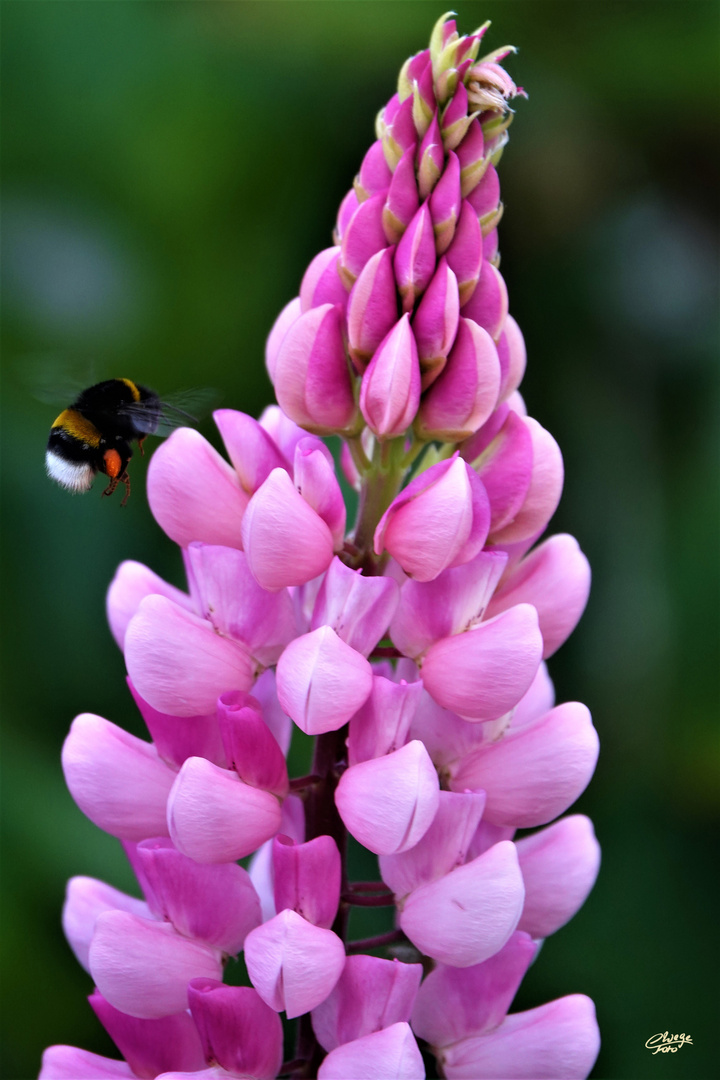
x=466, y=916
x=555, y=579
x=131, y=584
x=321, y=282
x=216, y=904
x=481, y=674
x=85, y=899
x=237, y=1028
x=314, y=476
x=464, y=256
x=438, y=520
x=177, y=738
x=390, y=390
x=358, y=608
x=455, y=119
x=402, y=198
x=430, y=158
x=513, y=345
x=485, y=197
x=533, y=776
x=370, y=995
x=445, y=203
x=307, y=878
x=488, y=305
x=70, y=1063
x=400, y=133
x=265, y=691
x=435, y=322
x=502, y=456
x=293, y=965
x=151, y=1046
x=372, y=307
x=193, y=493
x=285, y=540
x=363, y=236
x=441, y=849
x=345, y=213
x=374, y=173
x=118, y=781
x=250, y=447
x=229, y=597
x=415, y=258
x=321, y=681
x=178, y=663
x=283, y=431
x=143, y=967
x=557, y=1041
x=312, y=380
x=470, y=154
x=213, y=817
x=456, y=1002
x=446, y=736
x=389, y=803
x=458, y=597
x=250, y=746
x=289, y=314
x=544, y=492
x=559, y=866
x=466, y=390
x=391, y=1052
x=383, y=722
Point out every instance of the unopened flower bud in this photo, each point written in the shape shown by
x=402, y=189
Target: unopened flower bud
x=363, y=236
x=402, y=198
x=445, y=203
x=415, y=258
x=464, y=256
x=430, y=159
x=488, y=305
x=435, y=322
x=390, y=390
x=465, y=393
x=374, y=175
x=471, y=155
x=321, y=282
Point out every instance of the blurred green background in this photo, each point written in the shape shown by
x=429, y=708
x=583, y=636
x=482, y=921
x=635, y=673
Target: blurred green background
x=169, y=171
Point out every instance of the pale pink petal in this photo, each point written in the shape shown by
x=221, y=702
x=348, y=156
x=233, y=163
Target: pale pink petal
x=151, y=1046
x=178, y=663
x=85, y=899
x=118, y=781
x=70, y=1063
x=389, y=803
x=390, y=1054
x=237, y=1028
x=544, y=492
x=213, y=817
x=559, y=866
x=131, y=584
x=321, y=681
x=466, y=916
x=293, y=965
x=193, y=493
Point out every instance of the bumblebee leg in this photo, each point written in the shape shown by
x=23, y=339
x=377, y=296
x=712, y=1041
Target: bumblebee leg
x=140, y=442
x=112, y=485
x=124, y=479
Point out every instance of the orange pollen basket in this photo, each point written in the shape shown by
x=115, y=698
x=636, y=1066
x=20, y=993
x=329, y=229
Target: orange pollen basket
x=113, y=463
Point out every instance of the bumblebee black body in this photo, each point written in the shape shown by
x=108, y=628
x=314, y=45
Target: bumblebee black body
x=94, y=434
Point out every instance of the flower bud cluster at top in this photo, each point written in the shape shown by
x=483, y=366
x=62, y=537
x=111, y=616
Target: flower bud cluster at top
x=412, y=646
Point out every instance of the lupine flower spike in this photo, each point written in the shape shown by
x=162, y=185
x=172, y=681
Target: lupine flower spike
x=410, y=645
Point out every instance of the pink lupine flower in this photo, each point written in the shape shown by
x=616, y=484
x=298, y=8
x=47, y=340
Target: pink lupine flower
x=409, y=646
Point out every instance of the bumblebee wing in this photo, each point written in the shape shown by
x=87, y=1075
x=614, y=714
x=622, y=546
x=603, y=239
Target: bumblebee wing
x=55, y=378
x=181, y=409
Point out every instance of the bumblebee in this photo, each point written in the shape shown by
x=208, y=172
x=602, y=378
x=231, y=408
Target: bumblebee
x=95, y=433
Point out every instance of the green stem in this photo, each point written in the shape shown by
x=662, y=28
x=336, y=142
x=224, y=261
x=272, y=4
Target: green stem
x=380, y=486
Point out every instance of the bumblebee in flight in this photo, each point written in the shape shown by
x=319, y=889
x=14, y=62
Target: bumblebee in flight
x=94, y=434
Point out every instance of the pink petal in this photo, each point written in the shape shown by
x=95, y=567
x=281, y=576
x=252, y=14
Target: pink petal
x=481, y=674
x=456, y=1002
x=321, y=681
x=151, y=1046
x=466, y=390
x=488, y=304
x=512, y=344
x=372, y=307
x=216, y=904
x=237, y=1028
x=86, y=899
x=321, y=282
x=193, y=493
x=431, y=610
x=390, y=1054
x=557, y=1041
x=545, y=488
x=382, y=724
x=118, y=781
x=389, y=803
x=293, y=965
x=370, y=995
x=251, y=449
x=502, y=455
x=214, y=817
x=555, y=579
x=442, y=848
x=533, y=776
x=464, y=256
x=559, y=866
x=178, y=664
x=307, y=878
x=358, y=608
x=251, y=748
x=314, y=476
x=177, y=738
x=402, y=198
x=468, y=915
x=390, y=390
x=286, y=541
x=131, y=584
x=436, y=321
x=289, y=314
x=312, y=380
x=70, y=1063
x=362, y=237
x=143, y=967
